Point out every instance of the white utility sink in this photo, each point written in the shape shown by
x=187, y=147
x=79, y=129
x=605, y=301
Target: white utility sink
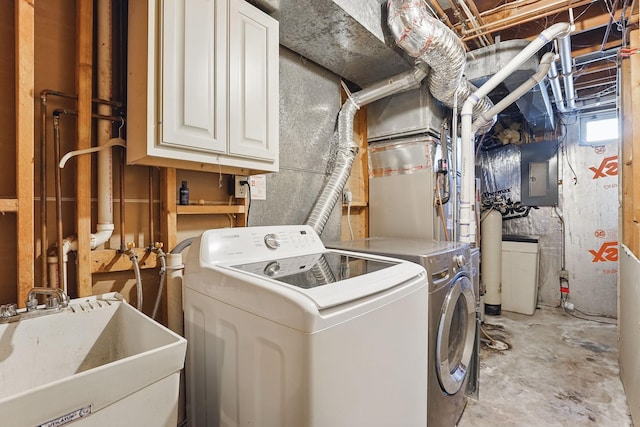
x=98, y=362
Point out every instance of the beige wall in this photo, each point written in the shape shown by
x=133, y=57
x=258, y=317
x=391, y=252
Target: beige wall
x=628, y=284
x=629, y=329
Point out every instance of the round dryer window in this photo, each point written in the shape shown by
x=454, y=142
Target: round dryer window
x=456, y=334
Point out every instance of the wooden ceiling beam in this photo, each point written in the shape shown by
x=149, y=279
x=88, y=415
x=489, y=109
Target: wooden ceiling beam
x=496, y=20
x=613, y=44
x=592, y=23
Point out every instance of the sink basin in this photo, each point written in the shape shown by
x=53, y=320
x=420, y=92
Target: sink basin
x=98, y=362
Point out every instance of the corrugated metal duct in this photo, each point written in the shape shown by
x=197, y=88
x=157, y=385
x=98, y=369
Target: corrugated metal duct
x=430, y=41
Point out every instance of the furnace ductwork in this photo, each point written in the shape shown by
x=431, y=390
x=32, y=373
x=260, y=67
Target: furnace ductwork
x=430, y=41
x=347, y=149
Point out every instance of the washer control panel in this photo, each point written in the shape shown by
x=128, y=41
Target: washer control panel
x=258, y=243
x=460, y=260
x=272, y=241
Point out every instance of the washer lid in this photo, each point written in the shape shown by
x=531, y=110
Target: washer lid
x=414, y=250
x=328, y=278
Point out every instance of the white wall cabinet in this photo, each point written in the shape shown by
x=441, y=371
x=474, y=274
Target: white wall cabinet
x=202, y=86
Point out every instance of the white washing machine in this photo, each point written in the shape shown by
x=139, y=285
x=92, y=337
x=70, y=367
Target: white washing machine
x=285, y=333
x=453, y=325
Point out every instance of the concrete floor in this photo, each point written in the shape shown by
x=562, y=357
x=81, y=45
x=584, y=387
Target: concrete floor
x=558, y=371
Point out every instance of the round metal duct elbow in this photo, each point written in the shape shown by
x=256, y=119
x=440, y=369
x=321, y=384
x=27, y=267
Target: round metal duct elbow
x=430, y=41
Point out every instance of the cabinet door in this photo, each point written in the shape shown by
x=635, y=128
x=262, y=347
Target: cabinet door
x=193, y=68
x=253, y=82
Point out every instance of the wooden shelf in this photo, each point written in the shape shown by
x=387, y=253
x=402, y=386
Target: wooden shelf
x=209, y=209
x=111, y=260
x=8, y=205
x=356, y=205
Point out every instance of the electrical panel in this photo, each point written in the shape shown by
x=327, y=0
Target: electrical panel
x=539, y=174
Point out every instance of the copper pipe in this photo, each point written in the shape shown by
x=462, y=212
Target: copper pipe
x=43, y=179
x=151, y=225
x=476, y=13
x=44, y=94
x=442, y=14
x=445, y=18
x=107, y=117
x=123, y=246
x=117, y=104
x=58, y=185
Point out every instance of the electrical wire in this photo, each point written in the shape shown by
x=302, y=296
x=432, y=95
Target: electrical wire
x=347, y=197
x=444, y=224
x=562, y=144
x=349, y=219
x=586, y=318
x=249, y=201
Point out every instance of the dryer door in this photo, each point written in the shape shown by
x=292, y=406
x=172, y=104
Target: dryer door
x=456, y=333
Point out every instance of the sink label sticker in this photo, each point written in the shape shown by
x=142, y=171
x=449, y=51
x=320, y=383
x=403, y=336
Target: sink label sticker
x=67, y=418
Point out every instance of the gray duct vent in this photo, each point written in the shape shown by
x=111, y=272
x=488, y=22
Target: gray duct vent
x=535, y=105
x=347, y=37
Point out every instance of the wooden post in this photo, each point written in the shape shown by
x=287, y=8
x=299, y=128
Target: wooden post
x=168, y=213
x=84, y=53
x=632, y=138
x=24, y=54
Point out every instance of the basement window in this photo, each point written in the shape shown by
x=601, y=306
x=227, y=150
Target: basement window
x=599, y=128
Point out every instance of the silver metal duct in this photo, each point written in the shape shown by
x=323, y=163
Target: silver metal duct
x=554, y=81
x=567, y=70
x=347, y=37
x=430, y=41
x=347, y=149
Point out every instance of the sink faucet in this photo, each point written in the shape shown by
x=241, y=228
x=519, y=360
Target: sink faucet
x=56, y=298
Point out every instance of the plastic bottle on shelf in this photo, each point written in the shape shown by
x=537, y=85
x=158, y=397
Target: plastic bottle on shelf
x=184, y=194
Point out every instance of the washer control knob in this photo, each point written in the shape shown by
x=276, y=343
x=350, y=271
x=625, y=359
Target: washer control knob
x=272, y=268
x=272, y=241
x=460, y=261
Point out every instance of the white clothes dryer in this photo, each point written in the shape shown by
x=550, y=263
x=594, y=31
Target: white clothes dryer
x=453, y=331
x=285, y=333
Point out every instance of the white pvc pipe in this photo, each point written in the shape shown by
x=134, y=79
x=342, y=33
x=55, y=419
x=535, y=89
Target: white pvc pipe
x=175, y=316
x=105, y=160
x=467, y=216
x=536, y=78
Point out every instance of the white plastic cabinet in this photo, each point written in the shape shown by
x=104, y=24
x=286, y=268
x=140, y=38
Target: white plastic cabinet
x=520, y=276
x=202, y=86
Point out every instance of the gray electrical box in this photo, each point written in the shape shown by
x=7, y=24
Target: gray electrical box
x=539, y=174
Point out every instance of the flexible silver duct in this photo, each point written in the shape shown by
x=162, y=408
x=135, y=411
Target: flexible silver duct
x=430, y=41
x=347, y=149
